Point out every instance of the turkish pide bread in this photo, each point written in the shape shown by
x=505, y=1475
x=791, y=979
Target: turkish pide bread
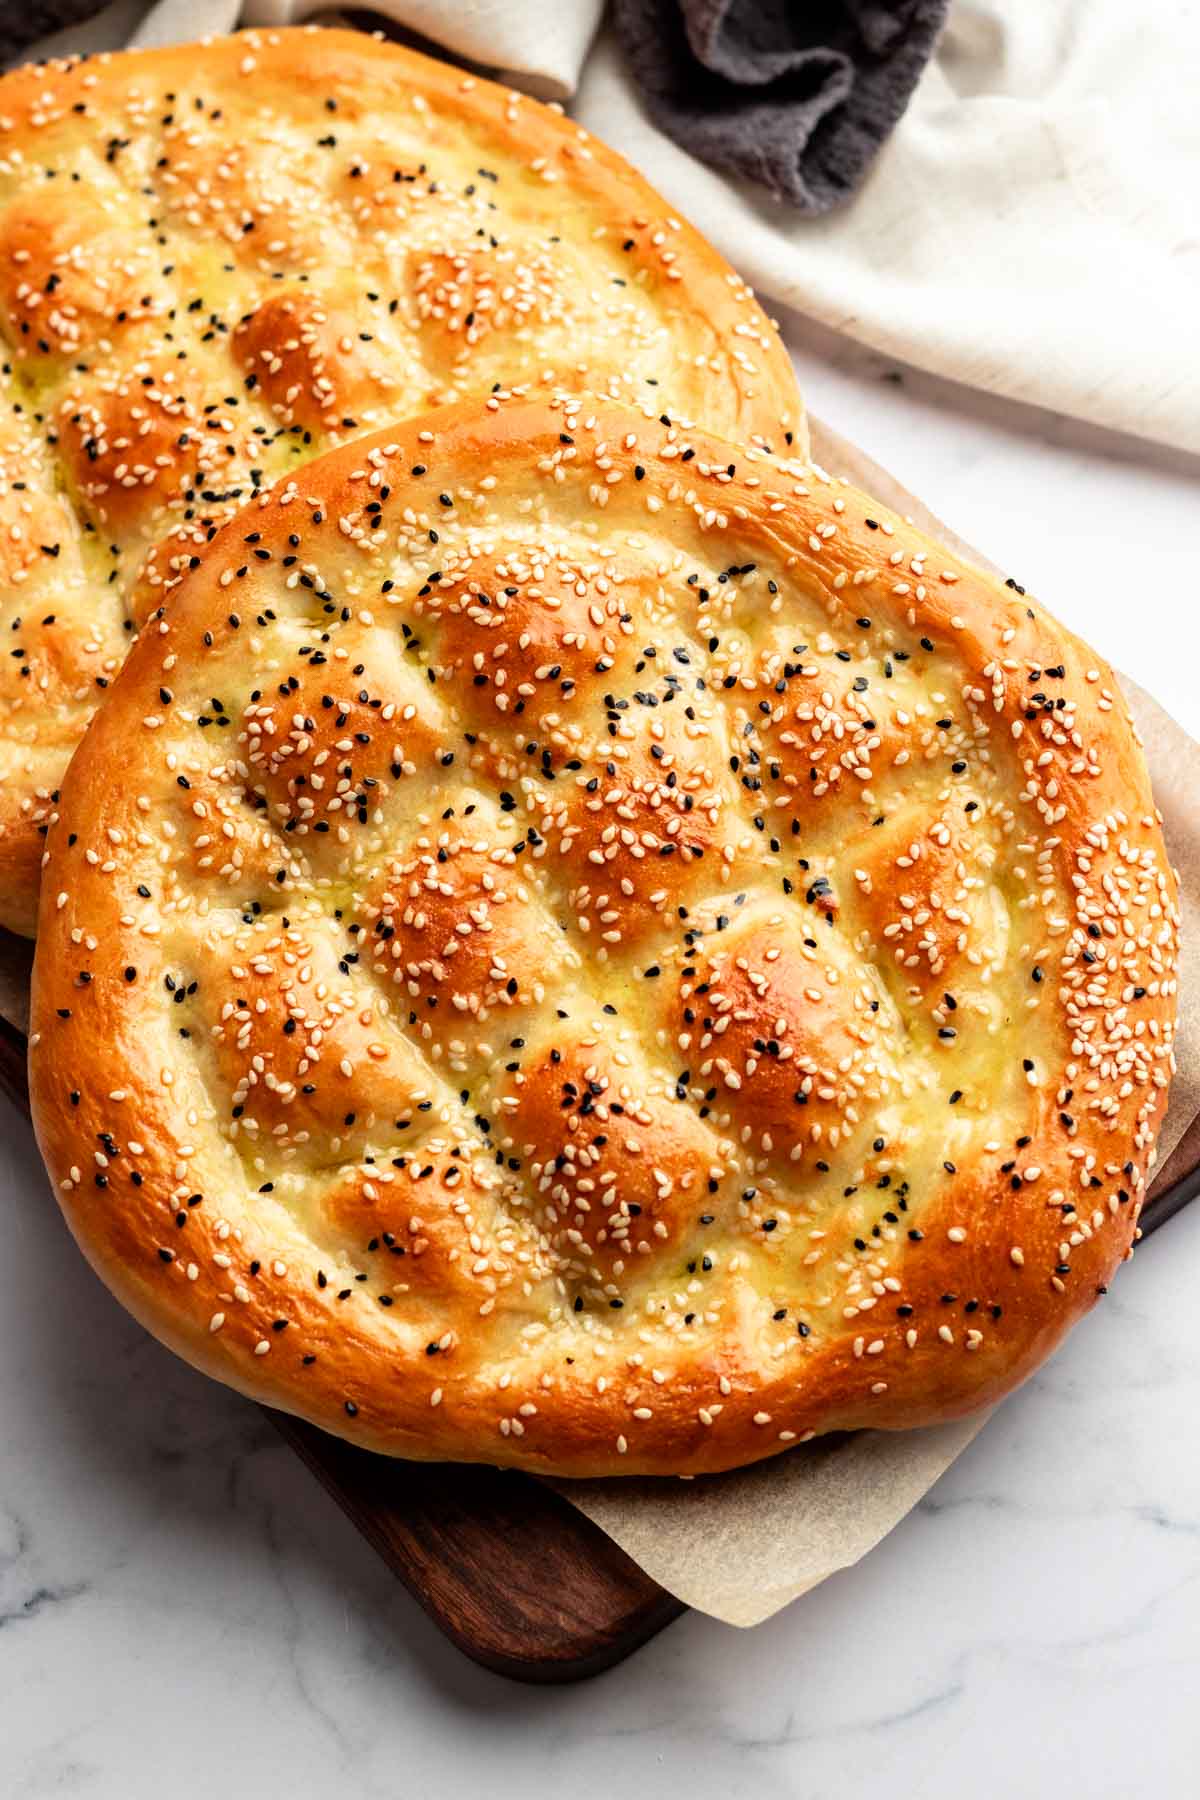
x=216, y=260
x=575, y=945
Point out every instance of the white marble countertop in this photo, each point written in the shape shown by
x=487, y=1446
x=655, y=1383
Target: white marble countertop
x=183, y=1612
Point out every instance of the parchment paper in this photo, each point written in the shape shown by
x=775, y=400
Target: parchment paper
x=742, y=1545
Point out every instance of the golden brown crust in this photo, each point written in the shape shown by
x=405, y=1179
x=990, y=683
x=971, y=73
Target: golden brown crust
x=607, y=952
x=218, y=259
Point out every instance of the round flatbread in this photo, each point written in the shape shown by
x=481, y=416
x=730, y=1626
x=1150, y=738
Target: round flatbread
x=218, y=259
x=575, y=945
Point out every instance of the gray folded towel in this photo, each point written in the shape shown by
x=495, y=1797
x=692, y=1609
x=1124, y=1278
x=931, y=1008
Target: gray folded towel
x=24, y=21
x=797, y=95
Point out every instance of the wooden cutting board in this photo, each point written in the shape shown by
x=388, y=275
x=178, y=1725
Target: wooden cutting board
x=513, y=1575
x=511, y=1572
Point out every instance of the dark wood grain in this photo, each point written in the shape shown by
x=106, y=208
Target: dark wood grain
x=1166, y=1198
x=514, y=1576
x=13, y=1054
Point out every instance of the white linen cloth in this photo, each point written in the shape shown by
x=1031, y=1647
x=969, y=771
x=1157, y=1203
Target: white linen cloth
x=1032, y=226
